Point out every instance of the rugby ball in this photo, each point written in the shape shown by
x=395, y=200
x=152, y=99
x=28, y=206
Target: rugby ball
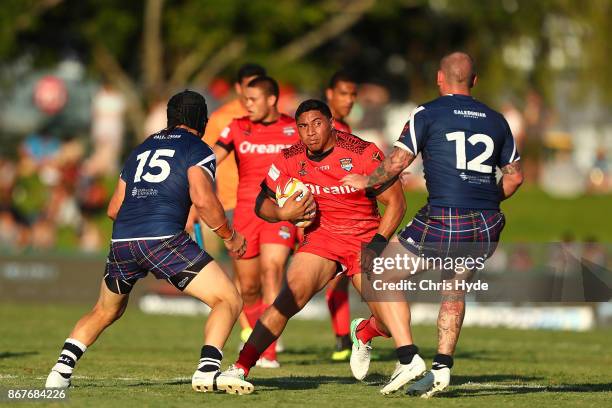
x=288, y=189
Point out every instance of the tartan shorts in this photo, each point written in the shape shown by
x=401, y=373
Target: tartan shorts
x=177, y=259
x=453, y=232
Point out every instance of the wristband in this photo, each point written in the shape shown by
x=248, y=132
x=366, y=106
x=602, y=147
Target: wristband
x=222, y=224
x=377, y=244
x=224, y=232
x=231, y=236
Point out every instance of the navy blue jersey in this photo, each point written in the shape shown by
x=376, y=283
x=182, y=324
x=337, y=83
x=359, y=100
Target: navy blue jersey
x=462, y=141
x=157, y=201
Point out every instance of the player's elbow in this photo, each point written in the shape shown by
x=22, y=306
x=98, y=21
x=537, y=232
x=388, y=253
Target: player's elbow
x=200, y=202
x=516, y=180
x=201, y=196
x=397, y=167
x=111, y=212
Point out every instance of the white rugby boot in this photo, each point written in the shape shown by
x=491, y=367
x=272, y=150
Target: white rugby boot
x=432, y=383
x=266, y=363
x=403, y=374
x=360, y=353
x=55, y=380
x=231, y=381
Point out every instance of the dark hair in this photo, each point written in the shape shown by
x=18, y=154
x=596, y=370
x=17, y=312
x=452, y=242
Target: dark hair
x=187, y=108
x=266, y=84
x=313, y=104
x=250, y=70
x=342, y=75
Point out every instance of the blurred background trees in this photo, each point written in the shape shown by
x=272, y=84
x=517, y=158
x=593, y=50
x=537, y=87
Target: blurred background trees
x=150, y=48
x=82, y=81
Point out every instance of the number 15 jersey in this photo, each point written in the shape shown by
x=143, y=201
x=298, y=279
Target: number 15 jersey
x=157, y=201
x=462, y=141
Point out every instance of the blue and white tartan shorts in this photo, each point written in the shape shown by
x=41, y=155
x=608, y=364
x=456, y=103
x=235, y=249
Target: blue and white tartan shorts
x=453, y=232
x=177, y=259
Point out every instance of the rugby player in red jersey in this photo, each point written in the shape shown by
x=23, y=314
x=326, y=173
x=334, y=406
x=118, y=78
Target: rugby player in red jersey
x=256, y=140
x=340, y=94
x=344, y=216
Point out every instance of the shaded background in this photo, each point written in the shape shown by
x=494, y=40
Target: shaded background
x=83, y=82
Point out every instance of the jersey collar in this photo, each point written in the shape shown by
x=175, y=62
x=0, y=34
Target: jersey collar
x=320, y=156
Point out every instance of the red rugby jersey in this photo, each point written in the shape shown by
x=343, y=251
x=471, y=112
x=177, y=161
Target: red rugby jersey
x=340, y=209
x=256, y=145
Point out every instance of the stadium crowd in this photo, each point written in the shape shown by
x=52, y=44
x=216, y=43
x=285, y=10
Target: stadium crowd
x=55, y=188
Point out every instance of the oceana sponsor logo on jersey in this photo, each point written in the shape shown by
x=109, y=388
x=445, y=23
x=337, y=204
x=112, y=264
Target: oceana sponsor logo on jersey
x=336, y=190
x=248, y=147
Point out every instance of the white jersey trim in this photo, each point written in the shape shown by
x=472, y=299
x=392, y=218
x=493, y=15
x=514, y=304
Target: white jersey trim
x=212, y=176
x=513, y=150
x=402, y=146
x=206, y=160
x=141, y=238
x=412, y=132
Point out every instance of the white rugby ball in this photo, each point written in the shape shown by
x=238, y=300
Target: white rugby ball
x=291, y=187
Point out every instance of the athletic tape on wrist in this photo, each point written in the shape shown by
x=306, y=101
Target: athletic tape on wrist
x=377, y=244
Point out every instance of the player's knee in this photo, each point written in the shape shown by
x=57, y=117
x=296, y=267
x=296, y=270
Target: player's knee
x=271, y=272
x=235, y=302
x=250, y=290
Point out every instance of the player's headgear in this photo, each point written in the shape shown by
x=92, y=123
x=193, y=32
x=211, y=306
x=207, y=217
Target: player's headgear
x=313, y=104
x=187, y=108
x=250, y=70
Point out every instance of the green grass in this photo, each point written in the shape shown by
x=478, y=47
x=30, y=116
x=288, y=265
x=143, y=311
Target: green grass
x=534, y=216
x=146, y=360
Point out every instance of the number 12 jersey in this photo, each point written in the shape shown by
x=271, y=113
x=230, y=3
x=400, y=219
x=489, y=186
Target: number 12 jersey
x=462, y=141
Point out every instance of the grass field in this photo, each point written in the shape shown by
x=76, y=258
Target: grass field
x=147, y=360
x=532, y=216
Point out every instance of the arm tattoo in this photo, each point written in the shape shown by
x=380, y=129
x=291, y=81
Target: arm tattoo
x=512, y=168
x=393, y=165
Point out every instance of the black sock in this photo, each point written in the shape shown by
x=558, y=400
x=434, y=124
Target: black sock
x=343, y=342
x=441, y=361
x=210, y=359
x=405, y=353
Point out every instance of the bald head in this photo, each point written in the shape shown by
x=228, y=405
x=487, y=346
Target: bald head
x=456, y=73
